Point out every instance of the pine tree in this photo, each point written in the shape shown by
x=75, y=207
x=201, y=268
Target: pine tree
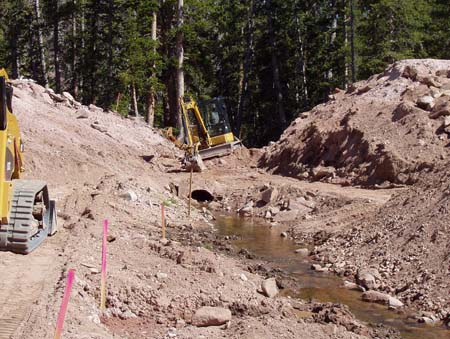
x=392, y=30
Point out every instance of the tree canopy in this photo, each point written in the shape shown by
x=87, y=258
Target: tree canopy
x=270, y=59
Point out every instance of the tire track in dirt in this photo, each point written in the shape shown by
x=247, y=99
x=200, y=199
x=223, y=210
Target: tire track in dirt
x=23, y=279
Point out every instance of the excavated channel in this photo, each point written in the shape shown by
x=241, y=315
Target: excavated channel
x=265, y=242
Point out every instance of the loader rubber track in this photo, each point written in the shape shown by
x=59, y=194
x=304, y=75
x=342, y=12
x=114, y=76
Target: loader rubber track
x=20, y=234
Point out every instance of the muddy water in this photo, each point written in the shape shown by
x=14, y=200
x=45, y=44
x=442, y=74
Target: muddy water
x=266, y=243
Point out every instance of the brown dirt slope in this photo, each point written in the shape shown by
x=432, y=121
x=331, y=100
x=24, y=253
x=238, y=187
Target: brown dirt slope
x=387, y=129
x=100, y=165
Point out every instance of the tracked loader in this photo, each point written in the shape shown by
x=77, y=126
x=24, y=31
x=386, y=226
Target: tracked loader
x=27, y=214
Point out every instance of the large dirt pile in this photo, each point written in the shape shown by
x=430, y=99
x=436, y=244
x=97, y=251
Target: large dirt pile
x=387, y=129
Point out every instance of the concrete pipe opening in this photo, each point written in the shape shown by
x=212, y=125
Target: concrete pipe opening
x=202, y=196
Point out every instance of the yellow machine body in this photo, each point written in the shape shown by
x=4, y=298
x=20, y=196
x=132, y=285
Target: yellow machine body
x=206, y=126
x=27, y=214
x=11, y=158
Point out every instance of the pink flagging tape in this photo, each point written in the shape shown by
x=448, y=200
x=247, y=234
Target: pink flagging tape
x=103, y=282
x=65, y=303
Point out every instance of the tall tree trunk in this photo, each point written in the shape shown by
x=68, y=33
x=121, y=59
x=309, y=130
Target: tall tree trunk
x=151, y=97
x=43, y=64
x=15, y=63
x=82, y=43
x=180, y=60
x=110, y=49
x=276, y=69
x=334, y=24
x=301, y=68
x=352, y=40
x=346, y=59
x=56, y=50
x=74, y=85
x=134, y=100
x=32, y=51
x=248, y=57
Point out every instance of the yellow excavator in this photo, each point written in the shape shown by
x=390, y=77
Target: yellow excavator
x=206, y=128
x=27, y=214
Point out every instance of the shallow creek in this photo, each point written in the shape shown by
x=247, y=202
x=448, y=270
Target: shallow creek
x=265, y=242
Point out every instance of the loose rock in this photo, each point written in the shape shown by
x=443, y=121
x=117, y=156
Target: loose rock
x=269, y=288
x=211, y=316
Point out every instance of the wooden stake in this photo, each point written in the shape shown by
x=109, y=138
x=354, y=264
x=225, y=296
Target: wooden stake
x=190, y=190
x=163, y=222
x=103, y=279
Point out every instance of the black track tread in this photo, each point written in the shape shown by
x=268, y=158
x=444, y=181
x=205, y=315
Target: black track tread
x=18, y=230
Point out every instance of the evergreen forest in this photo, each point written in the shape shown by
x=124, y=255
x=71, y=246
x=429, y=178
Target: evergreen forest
x=270, y=59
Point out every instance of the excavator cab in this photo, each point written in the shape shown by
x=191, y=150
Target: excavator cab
x=215, y=115
x=207, y=126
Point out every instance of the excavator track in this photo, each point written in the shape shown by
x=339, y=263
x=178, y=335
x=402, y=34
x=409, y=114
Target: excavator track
x=32, y=217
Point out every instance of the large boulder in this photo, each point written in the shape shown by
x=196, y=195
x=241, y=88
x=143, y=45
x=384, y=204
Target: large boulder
x=376, y=297
x=211, y=316
x=368, y=278
x=269, y=288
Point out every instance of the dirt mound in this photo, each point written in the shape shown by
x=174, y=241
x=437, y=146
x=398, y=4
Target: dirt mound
x=387, y=129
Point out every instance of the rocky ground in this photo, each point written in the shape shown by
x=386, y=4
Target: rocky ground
x=100, y=165
x=391, y=131
x=195, y=284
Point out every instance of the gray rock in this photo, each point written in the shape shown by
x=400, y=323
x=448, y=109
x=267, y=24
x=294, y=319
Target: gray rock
x=426, y=102
x=394, y=302
x=211, y=316
x=318, y=268
x=376, y=297
x=269, y=288
x=427, y=320
x=82, y=113
x=130, y=196
x=269, y=195
x=247, y=209
x=352, y=286
x=127, y=315
x=283, y=235
x=94, y=108
x=302, y=251
x=243, y=277
x=321, y=172
x=99, y=128
x=68, y=96
x=447, y=121
x=161, y=276
x=365, y=89
x=368, y=277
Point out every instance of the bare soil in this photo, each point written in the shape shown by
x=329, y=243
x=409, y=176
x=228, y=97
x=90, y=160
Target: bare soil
x=94, y=162
x=100, y=165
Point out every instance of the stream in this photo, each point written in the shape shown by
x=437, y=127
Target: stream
x=265, y=242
